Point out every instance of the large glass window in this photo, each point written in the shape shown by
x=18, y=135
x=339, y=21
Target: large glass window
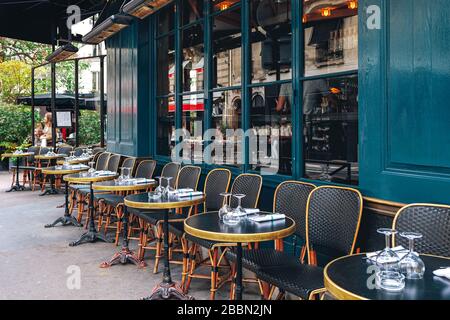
x=166, y=65
x=227, y=48
x=330, y=104
x=193, y=58
x=166, y=125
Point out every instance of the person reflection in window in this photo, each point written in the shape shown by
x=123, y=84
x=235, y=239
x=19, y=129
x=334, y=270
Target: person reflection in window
x=284, y=101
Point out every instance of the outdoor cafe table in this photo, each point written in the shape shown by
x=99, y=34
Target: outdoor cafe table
x=350, y=278
x=76, y=160
x=52, y=159
x=67, y=219
x=167, y=289
x=125, y=255
x=92, y=235
x=17, y=186
x=208, y=226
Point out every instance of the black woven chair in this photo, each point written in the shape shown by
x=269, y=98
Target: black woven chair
x=430, y=220
x=333, y=217
x=170, y=170
x=37, y=173
x=248, y=184
x=102, y=161
x=28, y=167
x=290, y=199
x=65, y=150
x=145, y=169
x=113, y=163
x=78, y=151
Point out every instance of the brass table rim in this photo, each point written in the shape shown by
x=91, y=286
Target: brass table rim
x=130, y=187
x=70, y=178
x=241, y=237
x=12, y=155
x=164, y=205
x=62, y=171
x=45, y=157
x=342, y=293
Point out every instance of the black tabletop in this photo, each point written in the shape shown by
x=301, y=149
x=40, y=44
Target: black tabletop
x=350, y=278
x=208, y=226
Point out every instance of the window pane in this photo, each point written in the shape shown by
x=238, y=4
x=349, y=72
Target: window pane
x=226, y=43
x=166, y=126
x=192, y=11
x=220, y=5
x=226, y=117
x=330, y=111
x=271, y=122
x=166, y=66
x=331, y=36
x=193, y=108
x=271, y=36
x=166, y=19
x=193, y=51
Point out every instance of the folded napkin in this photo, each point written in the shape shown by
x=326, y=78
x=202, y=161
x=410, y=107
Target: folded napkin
x=189, y=194
x=103, y=173
x=78, y=166
x=247, y=212
x=444, y=272
x=401, y=252
x=143, y=181
x=266, y=217
x=184, y=190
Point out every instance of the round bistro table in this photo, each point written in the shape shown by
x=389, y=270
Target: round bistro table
x=67, y=219
x=353, y=278
x=208, y=226
x=52, y=159
x=17, y=186
x=125, y=255
x=92, y=235
x=167, y=289
x=76, y=161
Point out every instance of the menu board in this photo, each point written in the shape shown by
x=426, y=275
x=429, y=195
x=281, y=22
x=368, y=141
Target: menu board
x=63, y=119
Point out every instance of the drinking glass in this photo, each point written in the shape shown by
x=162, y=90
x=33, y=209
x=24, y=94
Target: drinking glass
x=239, y=210
x=389, y=277
x=411, y=265
x=160, y=189
x=91, y=167
x=225, y=209
x=126, y=173
x=168, y=190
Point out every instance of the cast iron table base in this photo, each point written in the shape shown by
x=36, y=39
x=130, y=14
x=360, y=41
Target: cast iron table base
x=67, y=219
x=125, y=255
x=92, y=235
x=17, y=186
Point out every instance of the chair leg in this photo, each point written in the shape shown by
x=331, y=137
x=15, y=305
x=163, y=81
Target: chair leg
x=213, y=255
x=192, y=266
x=142, y=239
x=159, y=246
x=233, y=280
x=184, y=272
x=119, y=212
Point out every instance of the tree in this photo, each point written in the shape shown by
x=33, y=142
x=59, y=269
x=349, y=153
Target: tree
x=15, y=80
x=28, y=52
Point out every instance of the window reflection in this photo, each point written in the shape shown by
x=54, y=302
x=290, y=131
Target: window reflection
x=271, y=38
x=193, y=61
x=331, y=129
x=192, y=126
x=270, y=120
x=226, y=116
x=166, y=19
x=220, y=5
x=331, y=36
x=226, y=43
x=166, y=126
x=166, y=65
x=192, y=10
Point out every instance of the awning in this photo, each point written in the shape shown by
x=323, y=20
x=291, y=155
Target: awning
x=35, y=20
x=62, y=101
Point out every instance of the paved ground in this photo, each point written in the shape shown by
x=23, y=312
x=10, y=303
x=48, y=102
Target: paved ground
x=37, y=263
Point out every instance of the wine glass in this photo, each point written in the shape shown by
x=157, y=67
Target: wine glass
x=239, y=210
x=389, y=277
x=168, y=191
x=225, y=209
x=72, y=155
x=159, y=189
x=411, y=265
x=91, y=167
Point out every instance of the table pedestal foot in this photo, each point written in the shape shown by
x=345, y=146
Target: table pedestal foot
x=49, y=192
x=91, y=237
x=124, y=256
x=168, y=291
x=16, y=188
x=65, y=221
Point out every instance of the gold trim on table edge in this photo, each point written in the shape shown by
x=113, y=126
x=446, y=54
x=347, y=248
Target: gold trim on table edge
x=68, y=178
x=163, y=205
x=131, y=187
x=61, y=162
x=65, y=171
x=44, y=157
x=12, y=155
x=243, y=237
x=343, y=294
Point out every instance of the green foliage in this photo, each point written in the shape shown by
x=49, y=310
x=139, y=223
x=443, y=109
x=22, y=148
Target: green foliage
x=15, y=80
x=25, y=51
x=89, y=127
x=15, y=127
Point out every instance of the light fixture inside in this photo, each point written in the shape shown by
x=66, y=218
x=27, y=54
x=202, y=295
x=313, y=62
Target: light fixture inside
x=62, y=53
x=353, y=4
x=325, y=12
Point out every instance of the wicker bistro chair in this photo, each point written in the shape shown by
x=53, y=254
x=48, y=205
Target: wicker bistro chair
x=37, y=173
x=188, y=177
x=430, y=220
x=248, y=184
x=65, y=150
x=333, y=216
x=217, y=182
x=290, y=199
